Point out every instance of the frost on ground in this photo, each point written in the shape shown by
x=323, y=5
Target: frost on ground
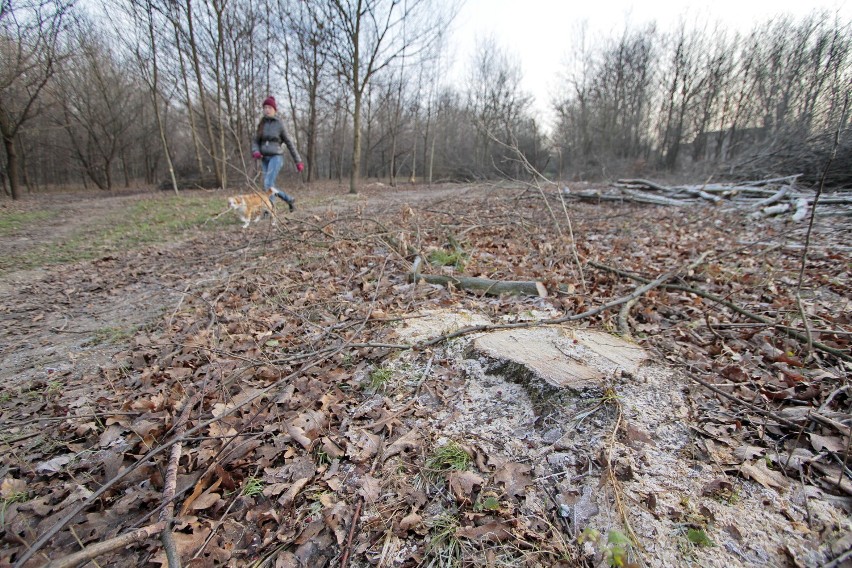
x=589, y=424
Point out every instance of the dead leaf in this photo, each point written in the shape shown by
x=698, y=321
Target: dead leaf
x=759, y=472
x=11, y=487
x=370, y=489
x=462, y=484
x=515, y=476
x=410, y=521
x=831, y=443
x=290, y=496
x=408, y=441
x=491, y=532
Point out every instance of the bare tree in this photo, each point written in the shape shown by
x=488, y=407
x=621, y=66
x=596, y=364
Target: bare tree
x=96, y=96
x=497, y=105
x=29, y=57
x=308, y=43
x=369, y=37
x=683, y=81
x=146, y=48
x=605, y=116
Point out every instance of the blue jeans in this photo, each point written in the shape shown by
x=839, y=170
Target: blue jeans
x=271, y=165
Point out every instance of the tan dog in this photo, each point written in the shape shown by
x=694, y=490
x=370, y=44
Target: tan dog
x=251, y=205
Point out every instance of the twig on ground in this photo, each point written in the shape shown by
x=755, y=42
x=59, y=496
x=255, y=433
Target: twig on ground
x=616, y=486
x=811, y=219
x=839, y=560
x=170, y=484
x=742, y=311
x=356, y=516
x=623, y=316
x=106, y=546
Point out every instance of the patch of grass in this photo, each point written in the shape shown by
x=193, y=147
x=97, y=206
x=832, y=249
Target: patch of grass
x=379, y=379
x=14, y=497
x=617, y=548
x=444, y=548
x=322, y=458
x=486, y=503
x=441, y=257
x=150, y=221
x=699, y=538
x=13, y=221
x=110, y=336
x=252, y=487
x=446, y=458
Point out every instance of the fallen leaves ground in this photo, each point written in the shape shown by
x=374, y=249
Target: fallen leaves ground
x=276, y=344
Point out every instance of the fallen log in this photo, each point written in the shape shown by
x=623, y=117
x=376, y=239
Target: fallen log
x=773, y=198
x=648, y=184
x=485, y=285
x=802, y=210
x=772, y=210
x=654, y=199
x=106, y=546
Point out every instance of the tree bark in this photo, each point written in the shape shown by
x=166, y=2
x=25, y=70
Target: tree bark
x=12, y=166
x=154, y=87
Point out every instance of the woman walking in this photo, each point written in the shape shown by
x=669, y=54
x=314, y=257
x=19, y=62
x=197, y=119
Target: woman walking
x=267, y=147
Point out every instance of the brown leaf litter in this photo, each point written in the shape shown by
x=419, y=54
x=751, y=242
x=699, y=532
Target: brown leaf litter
x=322, y=399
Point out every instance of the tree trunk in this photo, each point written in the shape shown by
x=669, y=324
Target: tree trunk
x=202, y=98
x=12, y=166
x=193, y=128
x=311, y=154
x=356, y=145
x=154, y=92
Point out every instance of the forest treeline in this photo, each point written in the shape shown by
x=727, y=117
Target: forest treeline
x=168, y=92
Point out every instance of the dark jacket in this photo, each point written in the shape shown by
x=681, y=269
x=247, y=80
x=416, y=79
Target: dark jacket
x=270, y=136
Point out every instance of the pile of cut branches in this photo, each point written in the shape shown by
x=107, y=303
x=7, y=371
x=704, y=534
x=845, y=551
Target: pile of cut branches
x=762, y=198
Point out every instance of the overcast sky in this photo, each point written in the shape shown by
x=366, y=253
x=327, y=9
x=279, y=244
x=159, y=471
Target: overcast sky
x=539, y=32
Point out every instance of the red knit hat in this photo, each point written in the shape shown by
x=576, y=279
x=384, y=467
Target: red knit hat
x=270, y=101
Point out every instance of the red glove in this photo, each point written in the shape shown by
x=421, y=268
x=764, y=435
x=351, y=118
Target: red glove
x=257, y=155
x=300, y=166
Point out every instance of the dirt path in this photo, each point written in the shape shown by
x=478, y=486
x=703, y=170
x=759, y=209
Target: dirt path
x=68, y=321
